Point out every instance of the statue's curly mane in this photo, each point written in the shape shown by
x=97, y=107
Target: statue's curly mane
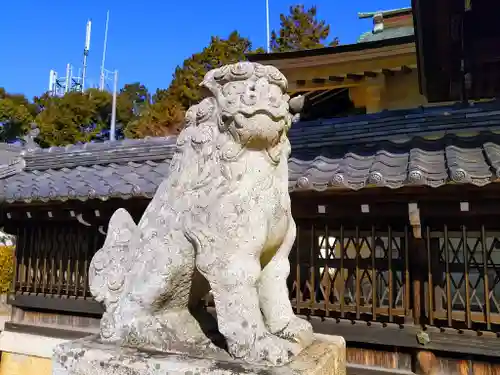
x=202, y=149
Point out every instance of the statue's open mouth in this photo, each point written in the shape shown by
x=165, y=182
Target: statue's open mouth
x=277, y=115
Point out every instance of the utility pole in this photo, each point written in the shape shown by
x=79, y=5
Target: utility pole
x=268, y=35
x=102, y=77
x=112, y=128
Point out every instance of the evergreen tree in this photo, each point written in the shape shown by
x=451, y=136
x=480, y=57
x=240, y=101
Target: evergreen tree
x=133, y=97
x=185, y=86
x=16, y=114
x=301, y=30
x=160, y=118
x=75, y=117
x=165, y=114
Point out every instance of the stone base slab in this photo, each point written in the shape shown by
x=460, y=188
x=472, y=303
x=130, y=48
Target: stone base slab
x=87, y=356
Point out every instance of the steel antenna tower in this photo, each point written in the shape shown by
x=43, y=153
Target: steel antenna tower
x=86, y=53
x=76, y=80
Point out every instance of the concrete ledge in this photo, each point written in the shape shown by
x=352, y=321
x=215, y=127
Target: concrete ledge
x=30, y=345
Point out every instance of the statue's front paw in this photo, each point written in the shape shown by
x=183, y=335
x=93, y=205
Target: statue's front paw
x=272, y=350
x=110, y=330
x=298, y=330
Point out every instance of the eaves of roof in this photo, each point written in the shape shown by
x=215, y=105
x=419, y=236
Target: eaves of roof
x=386, y=13
x=393, y=32
x=419, y=162
x=101, y=153
x=356, y=47
x=425, y=146
x=397, y=126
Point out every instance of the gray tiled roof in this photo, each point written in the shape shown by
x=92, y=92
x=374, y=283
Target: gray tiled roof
x=414, y=166
x=87, y=182
x=389, y=33
x=392, y=149
x=95, y=170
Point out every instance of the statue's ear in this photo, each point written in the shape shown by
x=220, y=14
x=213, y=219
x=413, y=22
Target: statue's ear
x=297, y=104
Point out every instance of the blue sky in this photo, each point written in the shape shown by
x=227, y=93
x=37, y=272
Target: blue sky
x=146, y=40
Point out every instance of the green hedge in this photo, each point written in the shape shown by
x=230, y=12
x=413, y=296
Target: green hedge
x=6, y=268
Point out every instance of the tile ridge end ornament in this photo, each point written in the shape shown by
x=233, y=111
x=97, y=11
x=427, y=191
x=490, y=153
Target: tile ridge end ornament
x=30, y=144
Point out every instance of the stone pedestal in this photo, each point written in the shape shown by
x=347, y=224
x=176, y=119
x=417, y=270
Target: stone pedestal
x=326, y=356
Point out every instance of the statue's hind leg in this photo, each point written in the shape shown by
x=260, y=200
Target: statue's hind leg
x=108, y=273
x=163, y=280
x=274, y=298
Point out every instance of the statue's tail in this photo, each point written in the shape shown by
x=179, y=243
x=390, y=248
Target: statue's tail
x=110, y=265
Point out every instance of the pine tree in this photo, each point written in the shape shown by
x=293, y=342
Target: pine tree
x=75, y=117
x=165, y=114
x=157, y=119
x=16, y=115
x=185, y=86
x=301, y=30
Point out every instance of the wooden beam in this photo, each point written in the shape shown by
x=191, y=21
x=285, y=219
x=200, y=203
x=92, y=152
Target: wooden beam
x=356, y=369
x=428, y=363
x=65, y=334
x=336, y=78
x=328, y=95
x=320, y=94
x=330, y=83
x=318, y=84
x=339, y=208
x=384, y=335
x=365, y=55
x=77, y=204
x=490, y=194
x=406, y=69
x=318, y=81
x=438, y=205
x=56, y=304
x=341, y=67
x=354, y=77
x=414, y=217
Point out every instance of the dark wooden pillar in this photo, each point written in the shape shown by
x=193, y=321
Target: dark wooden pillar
x=418, y=274
x=300, y=261
x=436, y=275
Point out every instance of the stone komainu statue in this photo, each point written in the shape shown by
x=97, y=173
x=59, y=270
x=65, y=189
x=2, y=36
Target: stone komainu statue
x=221, y=220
